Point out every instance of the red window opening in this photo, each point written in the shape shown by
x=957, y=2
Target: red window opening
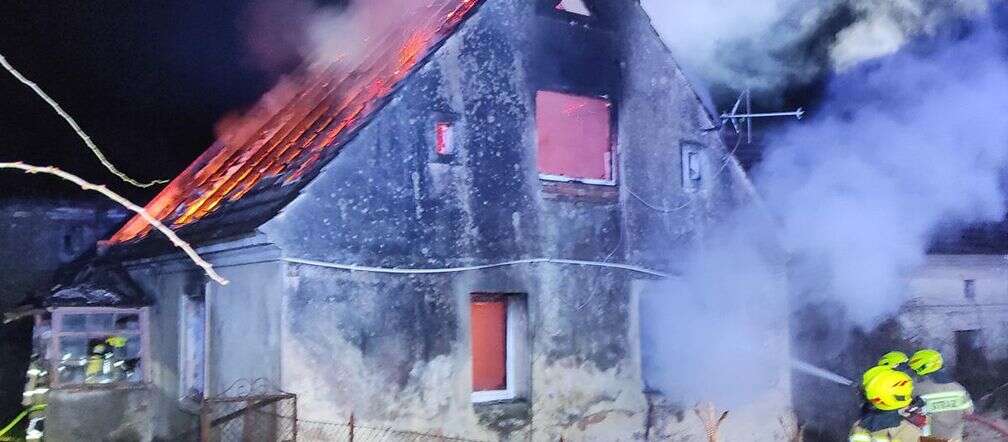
x=488, y=328
x=445, y=140
x=574, y=137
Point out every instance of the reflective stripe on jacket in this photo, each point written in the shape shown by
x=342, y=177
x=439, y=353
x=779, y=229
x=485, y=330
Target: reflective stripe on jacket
x=905, y=432
x=946, y=404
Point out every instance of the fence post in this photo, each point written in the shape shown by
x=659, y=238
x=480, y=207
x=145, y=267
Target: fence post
x=351, y=427
x=205, y=421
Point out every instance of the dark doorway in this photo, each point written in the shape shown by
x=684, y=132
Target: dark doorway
x=971, y=366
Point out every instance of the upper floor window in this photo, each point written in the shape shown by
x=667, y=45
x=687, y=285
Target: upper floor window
x=574, y=138
x=574, y=6
x=97, y=345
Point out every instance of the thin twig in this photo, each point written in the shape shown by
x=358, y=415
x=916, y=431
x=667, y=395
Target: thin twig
x=178, y=242
x=73, y=124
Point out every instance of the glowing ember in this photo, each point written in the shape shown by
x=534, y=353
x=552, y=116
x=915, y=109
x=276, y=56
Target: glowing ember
x=298, y=124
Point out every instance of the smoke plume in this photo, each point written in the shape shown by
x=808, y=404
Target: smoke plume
x=903, y=143
x=773, y=44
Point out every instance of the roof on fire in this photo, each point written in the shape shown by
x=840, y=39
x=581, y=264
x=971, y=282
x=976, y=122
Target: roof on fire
x=268, y=155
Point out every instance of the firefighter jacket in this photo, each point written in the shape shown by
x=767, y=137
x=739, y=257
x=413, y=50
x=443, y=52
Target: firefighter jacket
x=884, y=426
x=946, y=405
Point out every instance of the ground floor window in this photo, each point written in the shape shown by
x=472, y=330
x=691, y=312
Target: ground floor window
x=98, y=345
x=497, y=330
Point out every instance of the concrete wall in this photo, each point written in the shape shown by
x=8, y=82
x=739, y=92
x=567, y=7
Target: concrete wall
x=938, y=306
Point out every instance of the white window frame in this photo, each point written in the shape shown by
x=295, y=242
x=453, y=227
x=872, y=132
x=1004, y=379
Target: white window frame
x=515, y=351
x=184, y=347
x=57, y=332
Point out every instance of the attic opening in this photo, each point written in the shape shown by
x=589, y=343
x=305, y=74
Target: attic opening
x=574, y=6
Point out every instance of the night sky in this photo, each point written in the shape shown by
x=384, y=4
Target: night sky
x=146, y=80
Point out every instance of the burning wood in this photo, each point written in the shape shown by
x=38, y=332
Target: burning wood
x=321, y=106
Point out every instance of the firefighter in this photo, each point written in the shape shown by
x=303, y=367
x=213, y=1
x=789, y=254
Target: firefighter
x=101, y=364
x=946, y=402
x=889, y=392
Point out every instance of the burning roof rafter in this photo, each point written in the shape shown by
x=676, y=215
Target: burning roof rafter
x=323, y=108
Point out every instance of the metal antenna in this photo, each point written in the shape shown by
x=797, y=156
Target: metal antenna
x=744, y=118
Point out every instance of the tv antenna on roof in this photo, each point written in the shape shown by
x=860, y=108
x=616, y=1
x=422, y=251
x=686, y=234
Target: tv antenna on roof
x=742, y=118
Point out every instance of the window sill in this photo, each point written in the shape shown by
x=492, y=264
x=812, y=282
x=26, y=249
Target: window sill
x=608, y=193
x=483, y=397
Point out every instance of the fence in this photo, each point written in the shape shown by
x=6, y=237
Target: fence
x=250, y=418
x=351, y=431
x=254, y=411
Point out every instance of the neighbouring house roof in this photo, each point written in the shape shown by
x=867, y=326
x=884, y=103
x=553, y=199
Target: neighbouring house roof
x=261, y=163
x=977, y=239
x=97, y=286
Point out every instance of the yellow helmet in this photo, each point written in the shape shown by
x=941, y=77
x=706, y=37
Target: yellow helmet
x=871, y=372
x=889, y=390
x=893, y=359
x=116, y=341
x=926, y=361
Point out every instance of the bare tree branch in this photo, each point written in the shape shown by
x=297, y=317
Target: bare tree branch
x=73, y=124
x=178, y=242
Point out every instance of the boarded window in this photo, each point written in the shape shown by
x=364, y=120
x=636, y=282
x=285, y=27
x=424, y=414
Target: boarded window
x=444, y=138
x=488, y=326
x=574, y=138
x=575, y=6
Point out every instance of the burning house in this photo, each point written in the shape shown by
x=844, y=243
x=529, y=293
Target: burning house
x=448, y=234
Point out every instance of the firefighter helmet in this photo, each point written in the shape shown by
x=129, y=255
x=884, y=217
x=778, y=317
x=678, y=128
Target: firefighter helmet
x=889, y=390
x=926, y=361
x=893, y=359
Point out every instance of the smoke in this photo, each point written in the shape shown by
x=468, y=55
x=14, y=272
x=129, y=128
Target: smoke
x=773, y=44
x=283, y=34
x=902, y=145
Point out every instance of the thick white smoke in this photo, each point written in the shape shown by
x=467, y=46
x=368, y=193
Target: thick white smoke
x=770, y=44
x=902, y=144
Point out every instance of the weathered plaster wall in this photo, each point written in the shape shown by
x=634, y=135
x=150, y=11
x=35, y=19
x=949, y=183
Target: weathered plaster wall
x=938, y=306
x=101, y=415
x=394, y=349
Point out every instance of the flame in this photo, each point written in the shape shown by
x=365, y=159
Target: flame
x=303, y=120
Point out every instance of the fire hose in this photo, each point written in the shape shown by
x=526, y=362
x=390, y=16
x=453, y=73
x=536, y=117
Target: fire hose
x=989, y=423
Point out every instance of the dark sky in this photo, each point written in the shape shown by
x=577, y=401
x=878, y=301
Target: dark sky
x=147, y=80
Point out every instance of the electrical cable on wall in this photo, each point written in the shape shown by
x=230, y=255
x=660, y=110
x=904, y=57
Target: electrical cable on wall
x=397, y=270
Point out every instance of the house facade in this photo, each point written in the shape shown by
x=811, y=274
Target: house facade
x=454, y=247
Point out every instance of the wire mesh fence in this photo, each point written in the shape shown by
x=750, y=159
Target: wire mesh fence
x=256, y=411
x=250, y=418
x=316, y=431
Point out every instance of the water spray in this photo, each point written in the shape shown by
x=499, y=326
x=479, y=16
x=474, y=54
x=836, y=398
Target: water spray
x=822, y=373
